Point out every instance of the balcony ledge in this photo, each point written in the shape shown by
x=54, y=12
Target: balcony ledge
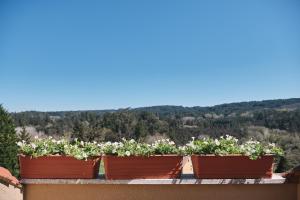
x=186, y=179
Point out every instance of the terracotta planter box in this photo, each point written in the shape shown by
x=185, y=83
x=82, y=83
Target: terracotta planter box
x=232, y=166
x=138, y=167
x=58, y=167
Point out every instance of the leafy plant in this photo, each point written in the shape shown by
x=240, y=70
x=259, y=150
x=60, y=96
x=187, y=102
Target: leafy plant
x=255, y=149
x=229, y=145
x=50, y=146
x=165, y=146
x=82, y=150
x=133, y=148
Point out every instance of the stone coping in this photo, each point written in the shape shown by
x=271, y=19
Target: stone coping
x=186, y=179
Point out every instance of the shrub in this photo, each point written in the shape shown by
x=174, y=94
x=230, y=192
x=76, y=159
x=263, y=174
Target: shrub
x=49, y=146
x=133, y=148
x=229, y=145
x=8, y=139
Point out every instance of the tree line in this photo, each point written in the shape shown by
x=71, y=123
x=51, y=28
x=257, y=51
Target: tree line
x=271, y=121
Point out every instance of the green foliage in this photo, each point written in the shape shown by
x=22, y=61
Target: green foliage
x=229, y=145
x=88, y=131
x=255, y=149
x=165, y=146
x=133, y=148
x=266, y=121
x=24, y=135
x=49, y=146
x=8, y=139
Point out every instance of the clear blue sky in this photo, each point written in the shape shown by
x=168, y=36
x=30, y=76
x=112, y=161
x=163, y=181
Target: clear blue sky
x=77, y=55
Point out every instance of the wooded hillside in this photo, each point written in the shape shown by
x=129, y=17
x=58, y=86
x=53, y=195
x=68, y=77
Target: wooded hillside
x=271, y=120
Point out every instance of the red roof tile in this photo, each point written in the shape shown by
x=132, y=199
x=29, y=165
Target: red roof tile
x=6, y=176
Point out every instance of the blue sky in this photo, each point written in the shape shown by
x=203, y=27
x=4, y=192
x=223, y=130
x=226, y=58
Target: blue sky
x=77, y=55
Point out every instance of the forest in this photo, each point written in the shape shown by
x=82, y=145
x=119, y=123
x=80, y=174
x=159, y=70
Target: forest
x=270, y=121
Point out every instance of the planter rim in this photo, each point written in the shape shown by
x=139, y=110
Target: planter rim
x=158, y=155
x=229, y=155
x=51, y=156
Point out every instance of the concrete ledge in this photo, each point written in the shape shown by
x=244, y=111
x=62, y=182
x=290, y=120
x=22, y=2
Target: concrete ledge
x=186, y=179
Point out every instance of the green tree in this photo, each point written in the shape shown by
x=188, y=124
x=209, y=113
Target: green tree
x=24, y=135
x=8, y=139
x=81, y=131
x=140, y=130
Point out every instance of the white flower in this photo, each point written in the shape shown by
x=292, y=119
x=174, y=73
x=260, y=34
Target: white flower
x=82, y=143
x=191, y=144
x=33, y=145
x=182, y=148
x=268, y=151
x=193, y=138
x=272, y=145
x=127, y=153
x=217, y=142
x=229, y=137
x=84, y=155
x=19, y=144
x=115, y=143
x=36, y=137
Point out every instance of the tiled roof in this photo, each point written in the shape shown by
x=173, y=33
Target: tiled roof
x=6, y=176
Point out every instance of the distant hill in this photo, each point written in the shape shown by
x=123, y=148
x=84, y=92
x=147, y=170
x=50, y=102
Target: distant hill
x=170, y=110
x=225, y=109
x=270, y=120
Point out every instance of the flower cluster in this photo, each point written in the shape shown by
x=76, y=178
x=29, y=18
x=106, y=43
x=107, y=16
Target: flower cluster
x=50, y=146
x=165, y=146
x=229, y=145
x=255, y=149
x=134, y=148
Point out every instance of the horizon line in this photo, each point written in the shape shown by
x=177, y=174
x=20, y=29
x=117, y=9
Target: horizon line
x=149, y=106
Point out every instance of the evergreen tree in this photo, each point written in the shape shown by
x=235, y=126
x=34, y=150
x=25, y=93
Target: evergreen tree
x=24, y=135
x=8, y=139
x=78, y=130
x=140, y=130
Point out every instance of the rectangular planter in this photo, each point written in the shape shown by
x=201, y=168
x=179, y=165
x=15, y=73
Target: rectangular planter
x=58, y=167
x=139, y=167
x=231, y=166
